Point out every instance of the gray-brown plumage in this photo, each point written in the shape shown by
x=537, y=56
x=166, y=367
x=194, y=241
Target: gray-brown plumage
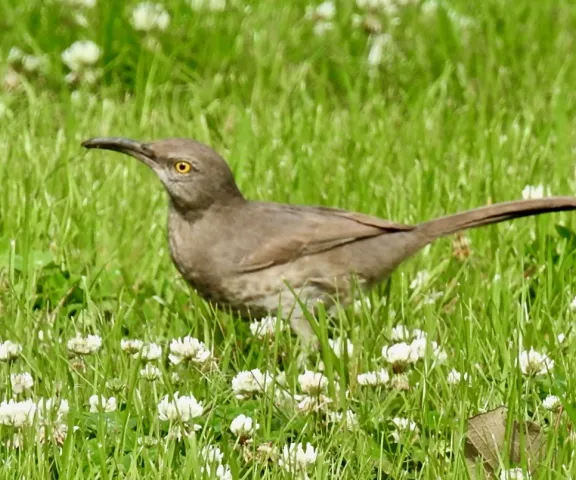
x=250, y=256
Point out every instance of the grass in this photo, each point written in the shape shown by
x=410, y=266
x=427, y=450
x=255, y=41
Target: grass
x=469, y=105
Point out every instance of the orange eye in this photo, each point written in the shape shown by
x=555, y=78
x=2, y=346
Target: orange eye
x=182, y=167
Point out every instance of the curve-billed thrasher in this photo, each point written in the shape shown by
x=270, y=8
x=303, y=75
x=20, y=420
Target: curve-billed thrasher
x=250, y=256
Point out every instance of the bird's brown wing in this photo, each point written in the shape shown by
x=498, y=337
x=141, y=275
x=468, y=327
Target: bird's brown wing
x=311, y=230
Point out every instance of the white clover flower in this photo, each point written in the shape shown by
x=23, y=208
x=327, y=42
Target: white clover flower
x=297, y=458
x=59, y=432
x=247, y=383
x=149, y=352
x=551, y=402
x=338, y=344
x=15, y=55
x=348, y=418
x=573, y=304
x=130, y=345
x=221, y=472
x=17, y=414
x=561, y=338
x=419, y=345
x=150, y=372
x=400, y=333
x=454, y=377
x=324, y=11
x=189, y=349
x=375, y=57
x=312, y=383
x=418, y=334
x=20, y=382
x=99, y=403
x=32, y=63
x=533, y=363
x=359, y=305
x=373, y=379
x=321, y=28
x=535, y=191
x=514, y=474
x=52, y=410
x=211, y=454
x=266, y=327
x=312, y=403
x=183, y=408
x=243, y=426
x=81, y=54
x=421, y=279
x=210, y=5
x=148, y=16
x=389, y=7
x=399, y=354
x=9, y=350
x=404, y=429
x=84, y=345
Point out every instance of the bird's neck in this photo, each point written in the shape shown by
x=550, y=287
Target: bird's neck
x=192, y=215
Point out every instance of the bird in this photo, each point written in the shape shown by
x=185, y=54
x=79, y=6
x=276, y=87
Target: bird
x=258, y=258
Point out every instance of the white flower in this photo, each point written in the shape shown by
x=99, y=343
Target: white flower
x=321, y=28
x=324, y=11
x=561, y=338
x=99, y=403
x=221, y=472
x=150, y=372
x=211, y=5
x=535, y=191
x=20, y=382
x=399, y=353
x=248, y=383
x=149, y=16
x=183, y=408
x=388, y=7
x=211, y=454
x=514, y=474
x=58, y=432
x=81, y=54
x=535, y=363
x=551, y=402
x=52, y=410
x=404, y=428
x=15, y=55
x=149, y=352
x=312, y=383
x=9, y=350
x=295, y=457
x=31, y=63
x=188, y=349
x=243, y=426
x=376, y=378
x=17, y=414
x=454, y=377
x=131, y=345
x=420, y=279
x=375, y=56
x=360, y=304
x=573, y=304
x=348, y=418
x=266, y=327
x=338, y=344
x=312, y=403
x=419, y=345
x=400, y=333
x=84, y=345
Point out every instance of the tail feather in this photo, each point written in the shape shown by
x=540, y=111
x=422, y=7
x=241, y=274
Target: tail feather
x=499, y=212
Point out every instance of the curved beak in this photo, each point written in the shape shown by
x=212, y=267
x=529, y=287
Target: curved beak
x=138, y=150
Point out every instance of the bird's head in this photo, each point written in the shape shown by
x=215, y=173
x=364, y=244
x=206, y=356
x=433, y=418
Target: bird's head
x=194, y=175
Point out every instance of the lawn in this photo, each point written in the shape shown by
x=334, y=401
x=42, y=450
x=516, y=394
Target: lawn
x=111, y=367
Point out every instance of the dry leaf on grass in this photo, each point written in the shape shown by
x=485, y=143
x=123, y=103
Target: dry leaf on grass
x=486, y=439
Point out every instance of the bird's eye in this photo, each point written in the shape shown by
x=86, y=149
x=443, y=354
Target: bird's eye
x=182, y=167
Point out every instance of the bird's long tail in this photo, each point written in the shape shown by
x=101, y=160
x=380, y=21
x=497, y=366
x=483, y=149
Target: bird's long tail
x=499, y=212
